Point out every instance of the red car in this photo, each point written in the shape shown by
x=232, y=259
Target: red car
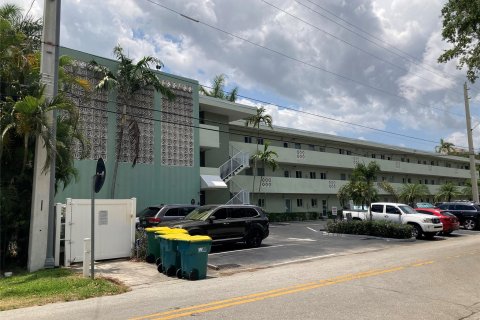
x=449, y=220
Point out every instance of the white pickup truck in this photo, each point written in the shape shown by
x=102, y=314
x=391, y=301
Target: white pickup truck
x=422, y=224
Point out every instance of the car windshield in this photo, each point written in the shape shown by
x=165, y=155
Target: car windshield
x=425, y=205
x=148, y=212
x=407, y=209
x=446, y=213
x=201, y=213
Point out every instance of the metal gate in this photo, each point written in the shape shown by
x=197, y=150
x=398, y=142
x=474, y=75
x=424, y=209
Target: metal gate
x=114, y=228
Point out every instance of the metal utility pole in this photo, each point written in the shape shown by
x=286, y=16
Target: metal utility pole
x=471, y=152
x=41, y=240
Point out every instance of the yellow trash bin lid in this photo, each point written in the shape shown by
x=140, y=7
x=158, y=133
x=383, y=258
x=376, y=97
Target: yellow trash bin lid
x=175, y=236
x=199, y=238
x=154, y=229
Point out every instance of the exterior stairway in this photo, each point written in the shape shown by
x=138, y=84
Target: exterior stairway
x=239, y=161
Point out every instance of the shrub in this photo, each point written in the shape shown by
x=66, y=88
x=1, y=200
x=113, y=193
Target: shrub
x=383, y=229
x=292, y=216
x=139, y=250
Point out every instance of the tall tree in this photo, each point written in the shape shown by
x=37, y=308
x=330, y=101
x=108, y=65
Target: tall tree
x=218, y=91
x=129, y=79
x=387, y=187
x=267, y=158
x=410, y=192
x=260, y=118
x=467, y=189
x=361, y=187
x=447, y=192
x=460, y=28
x=444, y=147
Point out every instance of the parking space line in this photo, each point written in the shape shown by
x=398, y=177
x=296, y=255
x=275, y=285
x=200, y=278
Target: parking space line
x=249, y=249
x=302, y=239
x=312, y=229
x=304, y=259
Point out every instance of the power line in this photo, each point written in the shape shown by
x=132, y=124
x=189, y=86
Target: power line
x=298, y=60
x=354, y=46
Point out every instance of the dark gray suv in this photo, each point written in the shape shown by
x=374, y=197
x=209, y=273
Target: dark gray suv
x=468, y=213
x=153, y=215
x=227, y=223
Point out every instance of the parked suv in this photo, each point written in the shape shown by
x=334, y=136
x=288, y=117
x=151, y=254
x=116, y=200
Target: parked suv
x=467, y=212
x=153, y=215
x=227, y=223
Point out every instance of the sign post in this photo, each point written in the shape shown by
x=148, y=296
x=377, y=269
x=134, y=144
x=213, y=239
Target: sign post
x=97, y=183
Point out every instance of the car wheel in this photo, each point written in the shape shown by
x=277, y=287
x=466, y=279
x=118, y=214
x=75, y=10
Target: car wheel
x=470, y=224
x=416, y=231
x=158, y=261
x=254, y=238
x=159, y=268
x=446, y=233
x=171, y=271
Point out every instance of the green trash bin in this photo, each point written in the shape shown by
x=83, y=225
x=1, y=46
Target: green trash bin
x=153, y=251
x=194, y=257
x=169, y=253
x=157, y=245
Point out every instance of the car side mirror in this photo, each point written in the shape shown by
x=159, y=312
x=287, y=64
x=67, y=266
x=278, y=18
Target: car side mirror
x=211, y=218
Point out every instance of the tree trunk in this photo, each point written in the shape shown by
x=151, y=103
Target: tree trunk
x=119, y=150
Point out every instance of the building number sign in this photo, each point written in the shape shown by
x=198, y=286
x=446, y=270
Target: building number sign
x=300, y=154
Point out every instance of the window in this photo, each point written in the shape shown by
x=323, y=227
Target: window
x=419, y=162
x=349, y=152
x=432, y=181
x=384, y=178
x=249, y=172
x=323, y=175
x=260, y=140
x=261, y=202
x=392, y=210
x=173, y=212
x=409, y=180
x=285, y=144
x=298, y=146
x=343, y=176
x=424, y=161
x=402, y=159
x=313, y=175
x=260, y=172
x=311, y=147
x=389, y=158
x=201, y=117
x=341, y=151
x=321, y=149
x=408, y=160
x=377, y=208
x=420, y=181
x=403, y=180
x=374, y=155
x=432, y=163
x=298, y=174
x=314, y=203
x=448, y=165
x=324, y=207
x=220, y=214
x=426, y=181
x=248, y=139
x=299, y=202
x=286, y=174
x=382, y=157
x=463, y=207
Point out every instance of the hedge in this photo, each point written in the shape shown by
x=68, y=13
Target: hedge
x=383, y=229
x=292, y=216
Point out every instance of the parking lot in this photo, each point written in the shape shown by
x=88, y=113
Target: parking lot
x=302, y=241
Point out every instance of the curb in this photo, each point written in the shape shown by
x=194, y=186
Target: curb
x=348, y=235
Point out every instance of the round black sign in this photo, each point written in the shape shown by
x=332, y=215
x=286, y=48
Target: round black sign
x=100, y=175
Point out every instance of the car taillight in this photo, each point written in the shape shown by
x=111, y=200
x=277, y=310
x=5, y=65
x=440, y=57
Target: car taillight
x=153, y=220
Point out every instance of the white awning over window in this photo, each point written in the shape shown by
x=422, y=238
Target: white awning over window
x=212, y=182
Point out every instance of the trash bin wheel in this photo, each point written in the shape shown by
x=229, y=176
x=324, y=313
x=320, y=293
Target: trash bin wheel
x=193, y=274
x=179, y=274
x=171, y=271
x=150, y=258
x=159, y=268
x=158, y=261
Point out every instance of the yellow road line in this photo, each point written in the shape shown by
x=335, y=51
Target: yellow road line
x=221, y=304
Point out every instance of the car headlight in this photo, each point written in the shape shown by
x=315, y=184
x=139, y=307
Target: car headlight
x=427, y=220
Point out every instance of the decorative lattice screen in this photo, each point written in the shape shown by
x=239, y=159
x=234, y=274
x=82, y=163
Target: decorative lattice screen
x=93, y=110
x=177, y=126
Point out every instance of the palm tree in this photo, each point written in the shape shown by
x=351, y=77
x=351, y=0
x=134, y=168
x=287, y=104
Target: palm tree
x=409, y=192
x=218, y=91
x=267, y=157
x=129, y=79
x=467, y=189
x=444, y=147
x=387, y=187
x=447, y=191
x=360, y=188
x=261, y=118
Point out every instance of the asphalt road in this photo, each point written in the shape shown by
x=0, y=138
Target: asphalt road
x=387, y=280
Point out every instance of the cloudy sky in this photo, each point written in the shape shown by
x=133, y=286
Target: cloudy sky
x=311, y=62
